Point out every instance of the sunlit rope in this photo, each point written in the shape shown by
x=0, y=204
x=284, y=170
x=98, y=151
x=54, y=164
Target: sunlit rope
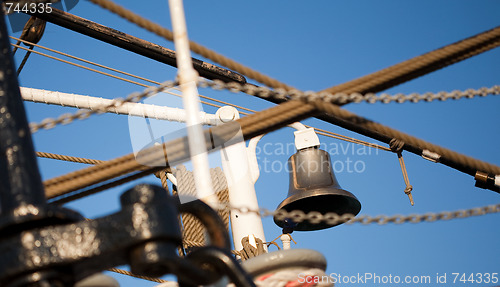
x=195, y=47
x=118, y=71
x=319, y=131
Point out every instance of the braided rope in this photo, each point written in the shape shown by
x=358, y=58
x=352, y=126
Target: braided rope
x=251, y=126
x=222, y=190
x=421, y=65
x=374, y=82
x=193, y=228
x=463, y=160
x=318, y=130
x=68, y=158
x=128, y=273
x=324, y=103
x=193, y=231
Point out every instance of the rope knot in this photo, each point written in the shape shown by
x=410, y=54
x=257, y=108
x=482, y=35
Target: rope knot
x=408, y=189
x=396, y=145
x=250, y=251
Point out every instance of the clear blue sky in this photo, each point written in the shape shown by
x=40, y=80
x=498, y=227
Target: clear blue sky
x=314, y=45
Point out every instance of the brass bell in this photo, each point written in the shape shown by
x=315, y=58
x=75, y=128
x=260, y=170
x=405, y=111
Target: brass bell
x=313, y=187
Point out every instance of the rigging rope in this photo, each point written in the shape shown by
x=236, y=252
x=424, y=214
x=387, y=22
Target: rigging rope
x=195, y=47
x=193, y=228
x=319, y=131
x=107, y=68
x=397, y=147
x=93, y=190
x=421, y=65
x=338, y=98
x=375, y=82
x=323, y=107
x=322, y=102
x=249, y=250
x=68, y=158
x=128, y=273
x=251, y=126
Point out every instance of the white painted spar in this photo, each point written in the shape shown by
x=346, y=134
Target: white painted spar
x=95, y=103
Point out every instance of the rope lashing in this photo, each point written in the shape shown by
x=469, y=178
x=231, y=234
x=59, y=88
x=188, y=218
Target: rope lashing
x=273, y=242
x=397, y=147
x=250, y=251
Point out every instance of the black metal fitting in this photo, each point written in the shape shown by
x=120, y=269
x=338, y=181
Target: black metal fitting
x=22, y=198
x=486, y=181
x=74, y=251
x=47, y=245
x=222, y=262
